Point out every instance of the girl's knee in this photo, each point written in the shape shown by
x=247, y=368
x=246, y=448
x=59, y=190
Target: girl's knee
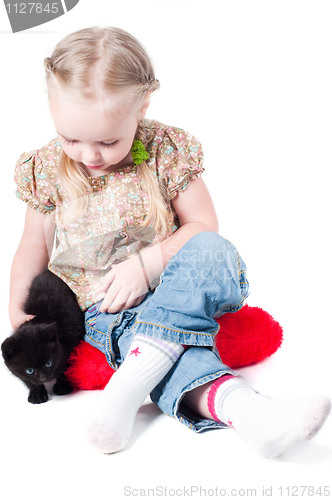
x=206, y=257
x=212, y=246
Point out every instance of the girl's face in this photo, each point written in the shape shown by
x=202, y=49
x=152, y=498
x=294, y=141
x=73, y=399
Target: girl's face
x=98, y=140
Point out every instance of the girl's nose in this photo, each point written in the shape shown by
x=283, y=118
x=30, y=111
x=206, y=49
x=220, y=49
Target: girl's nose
x=90, y=155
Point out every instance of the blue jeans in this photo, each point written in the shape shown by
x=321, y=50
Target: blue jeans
x=204, y=280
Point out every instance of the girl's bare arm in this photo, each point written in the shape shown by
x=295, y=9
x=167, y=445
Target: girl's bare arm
x=196, y=213
x=31, y=257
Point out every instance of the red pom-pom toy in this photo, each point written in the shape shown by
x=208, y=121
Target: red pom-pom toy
x=245, y=337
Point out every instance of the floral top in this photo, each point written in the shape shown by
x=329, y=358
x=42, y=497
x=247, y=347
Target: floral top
x=110, y=230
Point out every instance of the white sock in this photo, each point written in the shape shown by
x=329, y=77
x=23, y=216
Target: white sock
x=147, y=362
x=269, y=425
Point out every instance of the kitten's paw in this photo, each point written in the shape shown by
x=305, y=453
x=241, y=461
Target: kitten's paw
x=62, y=387
x=38, y=394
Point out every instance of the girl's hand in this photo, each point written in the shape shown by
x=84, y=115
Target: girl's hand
x=125, y=286
x=19, y=318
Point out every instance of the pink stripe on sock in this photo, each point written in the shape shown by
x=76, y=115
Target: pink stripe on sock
x=212, y=395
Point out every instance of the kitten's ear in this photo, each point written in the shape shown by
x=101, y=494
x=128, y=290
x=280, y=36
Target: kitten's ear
x=9, y=348
x=50, y=331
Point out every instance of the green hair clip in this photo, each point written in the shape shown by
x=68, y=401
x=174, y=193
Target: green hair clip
x=138, y=152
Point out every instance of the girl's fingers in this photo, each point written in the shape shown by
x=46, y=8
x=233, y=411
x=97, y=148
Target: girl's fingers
x=132, y=302
x=22, y=318
x=108, y=280
x=139, y=300
x=118, y=301
x=109, y=298
x=122, y=302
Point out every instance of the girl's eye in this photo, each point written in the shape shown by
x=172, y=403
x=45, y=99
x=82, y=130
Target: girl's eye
x=109, y=144
x=30, y=371
x=49, y=364
x=71, y=142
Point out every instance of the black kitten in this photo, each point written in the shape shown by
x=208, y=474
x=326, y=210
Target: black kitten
x=37, y=352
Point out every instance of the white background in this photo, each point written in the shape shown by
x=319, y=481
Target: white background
x=252, y=80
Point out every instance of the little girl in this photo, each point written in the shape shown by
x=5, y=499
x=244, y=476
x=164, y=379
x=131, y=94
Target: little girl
x=136, y=240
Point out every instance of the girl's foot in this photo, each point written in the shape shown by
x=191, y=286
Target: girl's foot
x=269, y=425
x=147, y=362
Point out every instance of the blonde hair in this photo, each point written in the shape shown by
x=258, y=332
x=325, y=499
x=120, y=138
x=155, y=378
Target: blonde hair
x=99, y=63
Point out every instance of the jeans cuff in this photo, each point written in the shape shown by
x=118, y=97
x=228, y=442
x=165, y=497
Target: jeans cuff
x=175, y=335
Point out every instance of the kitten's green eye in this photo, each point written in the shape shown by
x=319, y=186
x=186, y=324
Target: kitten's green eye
x=49, y=364
x=30, y=371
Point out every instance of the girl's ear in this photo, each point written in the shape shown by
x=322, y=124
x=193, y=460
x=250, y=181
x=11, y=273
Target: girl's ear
x=144, y=106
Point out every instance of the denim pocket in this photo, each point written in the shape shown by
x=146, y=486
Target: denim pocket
x=94, y=336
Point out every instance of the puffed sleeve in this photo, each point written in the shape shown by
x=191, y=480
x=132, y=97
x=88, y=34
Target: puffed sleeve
x=179, y=159
x=34, y=185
